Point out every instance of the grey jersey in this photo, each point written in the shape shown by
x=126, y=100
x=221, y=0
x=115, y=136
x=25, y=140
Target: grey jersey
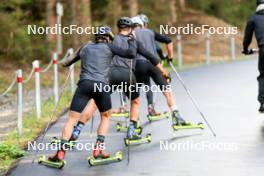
x=147, y=38
x=94, y=64
x=121, y=41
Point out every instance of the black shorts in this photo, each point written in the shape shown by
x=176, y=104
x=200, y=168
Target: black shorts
x=120, y=75
x=145, y=70
x=85, y=92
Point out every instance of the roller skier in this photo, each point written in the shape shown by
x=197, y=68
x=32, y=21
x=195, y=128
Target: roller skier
x=145, y=70
x=255, y=24
x=95, y=60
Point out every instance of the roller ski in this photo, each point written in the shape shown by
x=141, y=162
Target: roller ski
x=158, y=116
x=133, y=138
x=122, y=128
x=56, y=161
x=101, y=157
x=178, y=123
x=120, y=112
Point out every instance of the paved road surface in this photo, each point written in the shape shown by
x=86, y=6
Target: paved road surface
x=227, y=95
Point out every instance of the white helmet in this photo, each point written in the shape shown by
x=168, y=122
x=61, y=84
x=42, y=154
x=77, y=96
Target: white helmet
x=137, y=21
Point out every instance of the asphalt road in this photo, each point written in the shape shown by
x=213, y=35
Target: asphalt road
x=226, y=93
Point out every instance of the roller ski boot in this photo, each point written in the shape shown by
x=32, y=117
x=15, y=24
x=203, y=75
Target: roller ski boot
x=261, y=108
x=155, y=116
x=178, y=123
x=56, y=141
x=101, y=157
x=120, y=112
x=55, y=161
x=123, y=128
x=133, y=138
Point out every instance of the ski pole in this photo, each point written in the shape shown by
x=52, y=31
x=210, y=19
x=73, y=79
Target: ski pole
x=130, y=83
x=53, y=114
x=192, y=99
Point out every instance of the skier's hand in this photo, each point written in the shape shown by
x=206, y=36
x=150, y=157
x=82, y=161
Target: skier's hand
x=164, y=57
x=169, y=59
x=131, y=36
x=248, y=51
x=167, y=76
x=66, y=57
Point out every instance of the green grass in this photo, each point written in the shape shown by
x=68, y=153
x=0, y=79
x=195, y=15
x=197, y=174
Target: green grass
x=14, y=145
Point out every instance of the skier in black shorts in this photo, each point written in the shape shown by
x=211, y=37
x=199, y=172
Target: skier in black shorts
x=120, y=73
x=145, y=70
x=256, y=24
x=159, y=38
x=95, y=61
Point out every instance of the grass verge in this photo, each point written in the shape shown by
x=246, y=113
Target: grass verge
x=14, y=146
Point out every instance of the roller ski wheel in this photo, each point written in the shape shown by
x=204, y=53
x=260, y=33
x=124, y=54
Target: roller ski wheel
x=46, y=162
x=188, y=126
x=57, y=141
x=143, y=140
x=152, y=118
x=121, y=128
x=102, y=161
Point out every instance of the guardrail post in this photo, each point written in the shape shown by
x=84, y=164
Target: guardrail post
x=19, y=101
x=233, y=47
x=72, y=83
x=56, y=78
x=179, y=50
x=207, y=49
x=37, y=88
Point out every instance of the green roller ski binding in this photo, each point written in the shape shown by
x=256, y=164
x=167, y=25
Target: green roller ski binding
x=122, y=128
x=44, y=161
x=164, y=115
x=143, y=140
x=56, y=141
x=102, y=161
x=188, y=126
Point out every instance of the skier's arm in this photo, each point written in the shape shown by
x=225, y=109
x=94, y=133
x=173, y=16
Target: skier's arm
x=69, y=59
x=169, y=44
x=129, y=53
x=248, y=34
x=160, y=52
x=142, y=51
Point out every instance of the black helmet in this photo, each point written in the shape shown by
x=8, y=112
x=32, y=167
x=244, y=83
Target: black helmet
x=124, y=22
x=105, y=31
x=260, y=2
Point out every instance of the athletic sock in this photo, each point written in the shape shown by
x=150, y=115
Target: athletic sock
x=100, y=138
x=174, y=108
x=80, y=124
x=134, y=123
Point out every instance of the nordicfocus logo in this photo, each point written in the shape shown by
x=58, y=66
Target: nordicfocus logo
x=198, y=146
x=88, y=146
x=124, y=87
x=199, y=30
x=59, y=29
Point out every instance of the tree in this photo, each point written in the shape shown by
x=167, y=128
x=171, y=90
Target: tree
x=133, y=7
x=85, y=18
x=173, y=11
x=51, y=20
x=182, y=4
x=114, y=12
